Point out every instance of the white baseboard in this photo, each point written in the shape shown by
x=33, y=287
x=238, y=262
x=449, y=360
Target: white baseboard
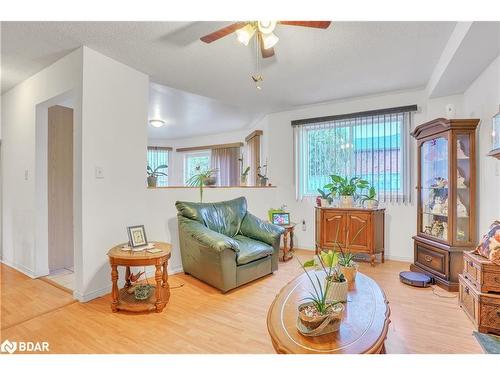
x=107, y=289
x=19, y=267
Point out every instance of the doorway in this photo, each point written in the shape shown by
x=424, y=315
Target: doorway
x=60, y=196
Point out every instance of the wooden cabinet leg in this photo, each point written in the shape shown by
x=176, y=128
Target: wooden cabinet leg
x=114, y=290
x=383, y=256
x=285, y=245
x=158, y=290
x=291, y=240
x=128, y=284
x=372, y=260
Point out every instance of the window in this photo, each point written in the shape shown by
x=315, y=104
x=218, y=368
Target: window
x=370, y=145
x=159, y=156
x=194, y=160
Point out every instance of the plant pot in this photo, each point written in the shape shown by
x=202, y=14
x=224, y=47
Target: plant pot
x=317, y=324
x=243, y=180
x=337, y=291
x=152, y=181
x=346, y=201
x=210, y=181
x=324, y=202
x=371, y=204
x=350, y=273
x=263, y=181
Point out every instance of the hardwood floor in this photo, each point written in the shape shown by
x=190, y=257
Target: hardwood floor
x=199, y=319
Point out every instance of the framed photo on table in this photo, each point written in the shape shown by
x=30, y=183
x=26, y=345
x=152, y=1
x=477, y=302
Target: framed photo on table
x=280, y=218
x=137, y=236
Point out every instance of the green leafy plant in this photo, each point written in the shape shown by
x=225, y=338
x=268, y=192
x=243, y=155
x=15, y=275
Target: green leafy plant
x=200, y=179
x=346, y=259
x=370, y=195
x=245, y=172
x=325, y=195
x=318, y=297
x=343, y=186
x=328, y=260
x=156, y=172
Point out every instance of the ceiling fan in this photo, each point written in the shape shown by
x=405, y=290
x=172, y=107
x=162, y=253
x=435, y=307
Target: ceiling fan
x=263, y=30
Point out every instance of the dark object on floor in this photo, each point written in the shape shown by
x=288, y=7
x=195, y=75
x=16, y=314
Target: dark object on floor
x=489, y=343
x=415, y=279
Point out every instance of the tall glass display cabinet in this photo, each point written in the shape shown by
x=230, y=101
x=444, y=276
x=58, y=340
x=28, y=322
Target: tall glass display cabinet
x=446, y=198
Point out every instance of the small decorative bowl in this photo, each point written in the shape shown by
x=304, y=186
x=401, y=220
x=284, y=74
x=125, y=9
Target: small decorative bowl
x=143, y=292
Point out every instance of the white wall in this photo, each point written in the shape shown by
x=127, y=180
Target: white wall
x=22, y=212
x=482, y=100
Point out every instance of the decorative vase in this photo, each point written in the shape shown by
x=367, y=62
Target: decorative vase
x=371, y=204
x=350, y=272
x=324, y=202
x=311, y=325
x=152, y=181
x=346, y=201
x=337, y=291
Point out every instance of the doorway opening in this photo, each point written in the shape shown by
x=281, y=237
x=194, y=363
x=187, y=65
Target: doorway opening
x=60, y=196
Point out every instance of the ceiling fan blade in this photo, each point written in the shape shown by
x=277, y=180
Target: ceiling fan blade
x=315, y=24
x=265, y=52
x=209, y=38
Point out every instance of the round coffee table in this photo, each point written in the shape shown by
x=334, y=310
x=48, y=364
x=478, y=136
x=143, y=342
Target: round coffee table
x=122, y=300
x=363, y=328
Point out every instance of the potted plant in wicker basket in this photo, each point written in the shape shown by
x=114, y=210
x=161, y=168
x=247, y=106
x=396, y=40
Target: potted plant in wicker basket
x=320, y=315
x=348, y=266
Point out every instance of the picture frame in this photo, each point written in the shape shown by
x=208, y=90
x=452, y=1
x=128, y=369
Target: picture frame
x=137, y=236
x=281, y=218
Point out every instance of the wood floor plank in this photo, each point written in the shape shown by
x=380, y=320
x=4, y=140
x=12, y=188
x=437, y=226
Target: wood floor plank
x=200, y=319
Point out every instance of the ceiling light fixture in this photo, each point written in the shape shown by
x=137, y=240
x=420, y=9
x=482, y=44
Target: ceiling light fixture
x=245, y=34
x=269, y=40
x=157, y=123
x=266, y=27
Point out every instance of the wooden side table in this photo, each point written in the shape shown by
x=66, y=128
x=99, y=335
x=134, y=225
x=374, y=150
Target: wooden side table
x=122, y=300
x=288, y=250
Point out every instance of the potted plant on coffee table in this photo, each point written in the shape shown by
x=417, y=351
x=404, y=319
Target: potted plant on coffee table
x=348, y=266
x=154, y=173
x=345, y=188
x=320, y=315
x=334, y=278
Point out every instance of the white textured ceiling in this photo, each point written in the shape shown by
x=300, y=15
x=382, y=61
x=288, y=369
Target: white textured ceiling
x=348, y=59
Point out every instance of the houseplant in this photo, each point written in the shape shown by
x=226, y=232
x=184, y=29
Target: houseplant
x=368, y=200
x=335, y=281
x=320, y=315
x=345, y=188
x=201, y=179
x=262, y=176
x=154, y=173
x=326, y=198
x=244, y=176
x=348, y=266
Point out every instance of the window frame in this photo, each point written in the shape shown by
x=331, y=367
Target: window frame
x=188, y=155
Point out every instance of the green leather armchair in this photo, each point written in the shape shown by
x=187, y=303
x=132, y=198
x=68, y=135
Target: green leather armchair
x=224, y=245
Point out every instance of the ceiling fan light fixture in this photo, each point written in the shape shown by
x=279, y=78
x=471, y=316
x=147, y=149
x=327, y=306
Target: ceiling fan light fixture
x=269, y=40
x=266, y=27
x=157, y=123
x=245, y=34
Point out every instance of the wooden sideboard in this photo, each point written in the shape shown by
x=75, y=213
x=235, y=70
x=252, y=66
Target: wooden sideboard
x=359, y=230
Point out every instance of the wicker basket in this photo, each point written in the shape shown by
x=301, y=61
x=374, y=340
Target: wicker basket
x=315, y=326
x=337, y=291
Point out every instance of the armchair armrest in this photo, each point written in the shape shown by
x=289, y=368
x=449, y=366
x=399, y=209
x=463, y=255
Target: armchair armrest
x=205, y=236
x=258, y=229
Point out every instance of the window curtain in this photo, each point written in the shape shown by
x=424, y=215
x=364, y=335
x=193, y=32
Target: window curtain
x=374, y=147
x=225, y=160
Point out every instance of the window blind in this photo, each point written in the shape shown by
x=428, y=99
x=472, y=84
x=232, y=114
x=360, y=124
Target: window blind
x=373, y=145
x=159, y=156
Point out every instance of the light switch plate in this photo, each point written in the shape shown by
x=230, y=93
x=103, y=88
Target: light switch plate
x=99, y=172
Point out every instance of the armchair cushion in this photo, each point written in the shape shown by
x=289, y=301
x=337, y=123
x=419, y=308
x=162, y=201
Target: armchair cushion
x=250, y=250
x=222, y=217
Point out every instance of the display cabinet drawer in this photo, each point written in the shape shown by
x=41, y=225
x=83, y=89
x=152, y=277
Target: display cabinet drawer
x=433, y=260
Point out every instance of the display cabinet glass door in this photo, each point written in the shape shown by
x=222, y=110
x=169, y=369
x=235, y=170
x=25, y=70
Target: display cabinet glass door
x=434, y=188
x=463, y=188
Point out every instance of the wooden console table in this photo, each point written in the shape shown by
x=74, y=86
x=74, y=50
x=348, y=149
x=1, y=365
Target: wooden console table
x=121, y=300
x=359, y=230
